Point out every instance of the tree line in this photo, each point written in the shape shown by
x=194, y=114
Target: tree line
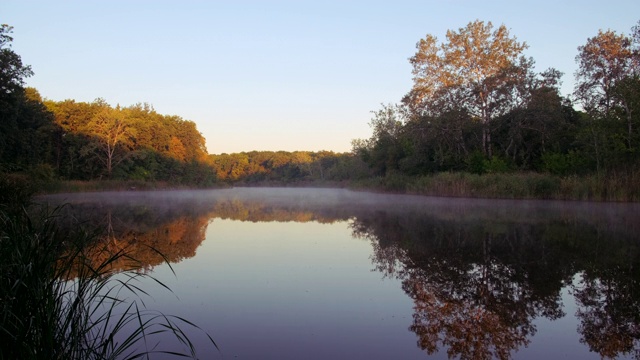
x=86, y=141
x=477, y=105
x=260, y=167
x=74, y=140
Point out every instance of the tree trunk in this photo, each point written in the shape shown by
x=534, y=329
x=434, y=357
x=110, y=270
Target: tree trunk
x=489, y=152
x=627, y=110
x=486, y=141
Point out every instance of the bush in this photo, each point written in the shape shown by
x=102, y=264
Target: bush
x=495, y=165
x=42, y=173
x=544, y=186
x=395, y=182
x=15, y=192
x=555, y=163
x=475, y=163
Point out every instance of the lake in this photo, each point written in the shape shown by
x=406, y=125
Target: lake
x=275, y=273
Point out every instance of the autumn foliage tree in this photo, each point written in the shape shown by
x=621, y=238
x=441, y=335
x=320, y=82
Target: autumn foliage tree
x=256, y=167
x=111, y=132
x=80, y=140
x=477, y=70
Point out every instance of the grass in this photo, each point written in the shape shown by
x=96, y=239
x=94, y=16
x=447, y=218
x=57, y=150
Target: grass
x=55, y=303
x=530, y=185
x=74, y=186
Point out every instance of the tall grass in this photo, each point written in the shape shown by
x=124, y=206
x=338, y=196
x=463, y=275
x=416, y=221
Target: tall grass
x=624, y=186
x=54, y=304
x=75, y=186
x=499, y=185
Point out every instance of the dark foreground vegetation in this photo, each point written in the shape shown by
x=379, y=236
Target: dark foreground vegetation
x=57, y=302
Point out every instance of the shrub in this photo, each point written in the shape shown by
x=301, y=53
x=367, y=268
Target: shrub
x=495, y=165
x=475, y=163
x=395, y=182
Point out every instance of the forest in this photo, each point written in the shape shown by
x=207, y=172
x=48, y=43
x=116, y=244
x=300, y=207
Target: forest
x=49, y=140
x=479, y=121
x=477, y=114
x=477, y=106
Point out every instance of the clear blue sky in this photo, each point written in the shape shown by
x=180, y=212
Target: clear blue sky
x=274, y=75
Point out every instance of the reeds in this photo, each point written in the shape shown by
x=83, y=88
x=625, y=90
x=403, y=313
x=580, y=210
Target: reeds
x=74, y=186
x=54, y=304
x=623, y=186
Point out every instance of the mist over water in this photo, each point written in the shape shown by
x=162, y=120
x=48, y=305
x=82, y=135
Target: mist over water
x=288, y=273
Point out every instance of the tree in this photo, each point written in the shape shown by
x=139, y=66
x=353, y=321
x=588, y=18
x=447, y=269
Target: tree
x=542, y=124
x=607, y=87
x=12, y=71
x=110, y=131
x=476, y=70
x=384, y=149
x=12, y=99
x=603, y=62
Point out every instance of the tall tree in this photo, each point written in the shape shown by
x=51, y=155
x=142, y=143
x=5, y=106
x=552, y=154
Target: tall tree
x=110, y=131
x=607, y=87
x=476, y=70
x=384, y=149
x=603, y=62
x=12, y=71
x=542, y=124
x=12, y=75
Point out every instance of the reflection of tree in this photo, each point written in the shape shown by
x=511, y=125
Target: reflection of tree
x=609, y=315
x=478, y=275
x=469, y=330
x=481, y=311
x=478, y=281
x=475, y=285
x=608, y=295
x=607, y=288
x=150, y=232
x=145, y=248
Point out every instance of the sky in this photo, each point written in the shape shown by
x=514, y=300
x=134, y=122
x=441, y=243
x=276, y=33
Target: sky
x=274, y=75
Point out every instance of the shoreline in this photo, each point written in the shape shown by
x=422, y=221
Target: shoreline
x=516, y=186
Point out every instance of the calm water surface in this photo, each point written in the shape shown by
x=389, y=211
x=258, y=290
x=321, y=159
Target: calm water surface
x=335, y=274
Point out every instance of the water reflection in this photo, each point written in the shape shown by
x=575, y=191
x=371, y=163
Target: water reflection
x=479, y=281
x=476, y=286
x=479, y=272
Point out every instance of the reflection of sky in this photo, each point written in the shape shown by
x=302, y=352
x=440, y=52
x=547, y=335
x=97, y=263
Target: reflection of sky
x=558, y=338
x=288, y=290
x=291, y=291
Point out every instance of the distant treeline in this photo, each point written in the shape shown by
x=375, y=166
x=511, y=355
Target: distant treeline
x=70, y=140
x=266, y=167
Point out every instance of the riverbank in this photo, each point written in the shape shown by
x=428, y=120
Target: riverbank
x=75, y=186
x=617, y=187
x=529, y=185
